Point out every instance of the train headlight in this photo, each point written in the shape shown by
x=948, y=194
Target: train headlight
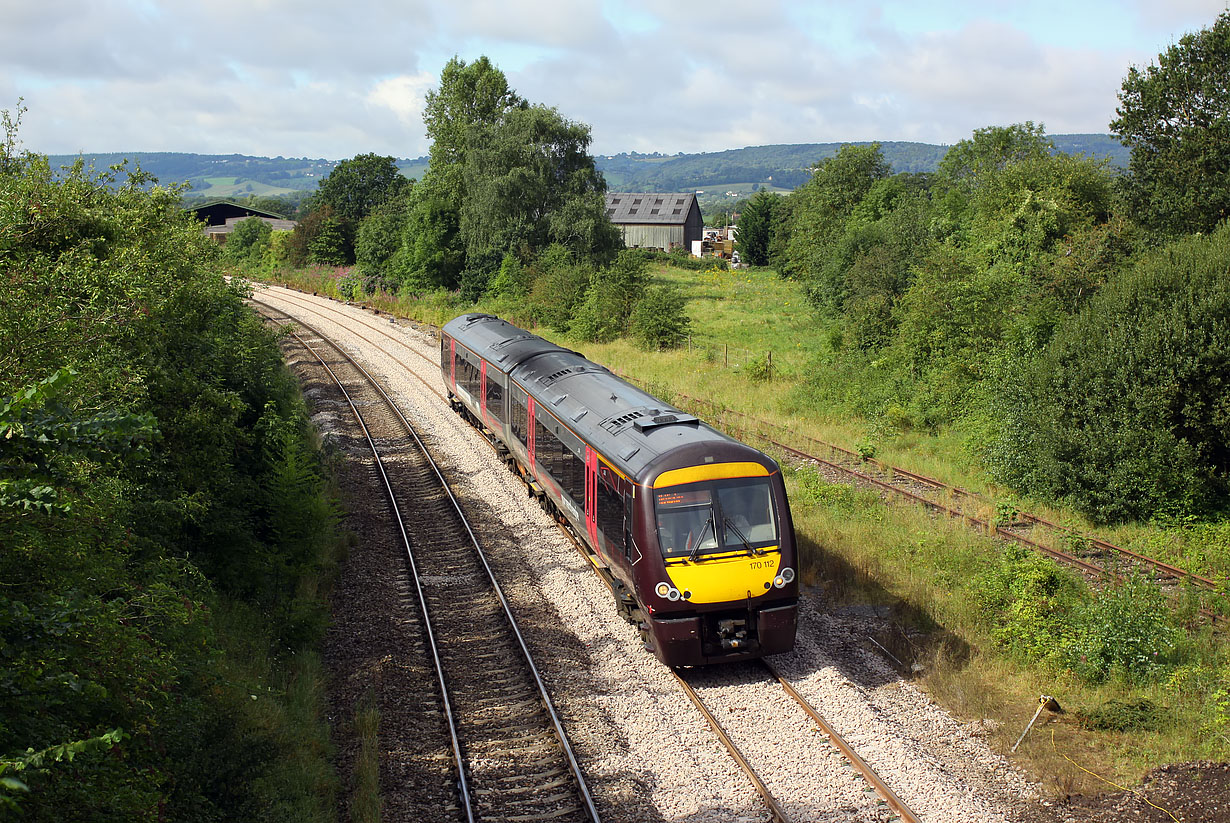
x=668, y=591
x=787, y=574
x=778, y=581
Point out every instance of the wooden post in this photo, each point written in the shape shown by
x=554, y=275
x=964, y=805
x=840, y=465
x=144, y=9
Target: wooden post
x=726, y=354
x=770, y=365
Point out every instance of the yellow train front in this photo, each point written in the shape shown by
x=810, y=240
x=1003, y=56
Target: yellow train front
x=691, y=528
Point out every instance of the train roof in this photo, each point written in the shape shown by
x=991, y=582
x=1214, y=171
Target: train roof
x=629, y=426
x=497, y=341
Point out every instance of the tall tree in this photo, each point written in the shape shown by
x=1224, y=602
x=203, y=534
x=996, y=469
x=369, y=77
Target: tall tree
x=471, y=96
x=756, y=226
x=1175, y=118
x=530, y=166
x=358, y=185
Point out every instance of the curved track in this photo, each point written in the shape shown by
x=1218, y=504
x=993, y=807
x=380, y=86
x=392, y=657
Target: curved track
x=513, y=759
x=1036, y=533
x=802, y=773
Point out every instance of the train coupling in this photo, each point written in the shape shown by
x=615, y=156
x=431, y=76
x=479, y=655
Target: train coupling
x=732, y=632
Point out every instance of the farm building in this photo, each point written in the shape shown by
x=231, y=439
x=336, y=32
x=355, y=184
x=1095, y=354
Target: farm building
x=220, y=217
x=655, y=220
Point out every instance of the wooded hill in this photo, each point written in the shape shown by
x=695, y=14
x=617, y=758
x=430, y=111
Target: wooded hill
x=782, y=167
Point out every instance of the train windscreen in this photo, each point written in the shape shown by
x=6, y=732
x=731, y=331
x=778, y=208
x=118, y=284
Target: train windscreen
x=716, y=516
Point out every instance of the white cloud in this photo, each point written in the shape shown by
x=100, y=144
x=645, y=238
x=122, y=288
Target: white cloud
x=306, y=77
x=405, y=96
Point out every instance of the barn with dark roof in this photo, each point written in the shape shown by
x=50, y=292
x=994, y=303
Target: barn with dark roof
x=656, y=220
x=220, y=217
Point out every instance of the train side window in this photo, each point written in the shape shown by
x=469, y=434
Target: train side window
x=495, y=396
x=566, y=468
x=519, y=412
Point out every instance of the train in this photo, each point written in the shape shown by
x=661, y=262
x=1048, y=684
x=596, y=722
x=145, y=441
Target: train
x=689, y=528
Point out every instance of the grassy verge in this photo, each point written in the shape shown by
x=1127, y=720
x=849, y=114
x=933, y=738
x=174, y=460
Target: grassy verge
x=988, y=660
x=365, y=796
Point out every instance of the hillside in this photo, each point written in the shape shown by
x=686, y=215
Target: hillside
x=739, y=171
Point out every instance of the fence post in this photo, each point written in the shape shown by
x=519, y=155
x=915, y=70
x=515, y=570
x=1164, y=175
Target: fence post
x=770, y=366
x=726, y=355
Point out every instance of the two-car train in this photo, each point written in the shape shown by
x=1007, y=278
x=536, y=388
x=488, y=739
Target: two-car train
x=690, y=528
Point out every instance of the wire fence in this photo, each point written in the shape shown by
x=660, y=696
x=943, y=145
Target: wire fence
x=756, y=364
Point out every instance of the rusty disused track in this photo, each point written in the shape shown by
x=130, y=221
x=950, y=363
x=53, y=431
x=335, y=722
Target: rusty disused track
x=512, y=755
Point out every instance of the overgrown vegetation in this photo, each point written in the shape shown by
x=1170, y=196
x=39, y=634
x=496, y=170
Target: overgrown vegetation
x=163, y=518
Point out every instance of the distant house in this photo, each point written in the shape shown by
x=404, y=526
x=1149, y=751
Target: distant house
x=655, y=220
x=220, y=217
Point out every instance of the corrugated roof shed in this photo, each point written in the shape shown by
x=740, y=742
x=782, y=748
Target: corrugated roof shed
x=651, y=207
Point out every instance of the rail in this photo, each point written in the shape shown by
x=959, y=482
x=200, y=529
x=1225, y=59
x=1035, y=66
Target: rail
x=449, y=709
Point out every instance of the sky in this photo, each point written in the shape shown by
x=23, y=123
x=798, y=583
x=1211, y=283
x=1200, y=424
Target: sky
x=302, y=78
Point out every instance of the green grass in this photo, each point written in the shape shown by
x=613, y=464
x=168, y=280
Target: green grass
x=365, y=805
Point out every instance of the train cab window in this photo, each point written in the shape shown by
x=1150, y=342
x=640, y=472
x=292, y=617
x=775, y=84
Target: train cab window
x=747, y=513
x=720, y=516
x=444, y=358
x=685, y=522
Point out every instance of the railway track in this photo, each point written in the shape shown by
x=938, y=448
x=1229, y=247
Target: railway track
x=1092, y=556
x=896, y=808
x=801, y=772
x=512, y=758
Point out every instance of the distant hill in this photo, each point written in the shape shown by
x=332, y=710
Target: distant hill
x=731, y=173
x=786, y=166
x=230, y=175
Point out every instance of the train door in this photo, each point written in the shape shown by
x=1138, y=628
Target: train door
x=591, y=495
x=531, y=435
x=482, y=391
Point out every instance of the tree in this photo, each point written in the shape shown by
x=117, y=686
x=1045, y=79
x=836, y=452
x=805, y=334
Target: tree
x=1124, y=413
x=822, y=205
x=431, y=254
x=471, y=96
x=1175, y=118
x=991, y=149
x=380, y=236
x=755, y=228
x=531, y=165
x=248, y=241
x=357, y=186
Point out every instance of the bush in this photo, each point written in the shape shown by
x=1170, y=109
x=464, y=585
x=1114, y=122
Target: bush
x=1124, y=631
x=248, y=242
x=512, y=279
x=613, y=293
x=1123, y=415
x=113, y=603
x=559, y=286
x=681, y=259
x=1029, y=602
x=660, y=320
